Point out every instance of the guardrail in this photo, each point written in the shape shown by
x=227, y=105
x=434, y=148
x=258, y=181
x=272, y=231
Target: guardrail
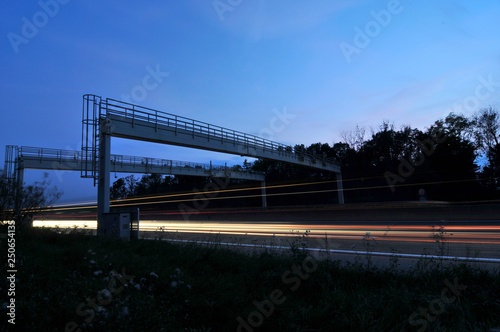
x=123, y=160
x=202, y=129
x=41, y=153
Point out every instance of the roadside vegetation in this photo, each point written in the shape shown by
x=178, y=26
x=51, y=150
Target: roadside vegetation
x=20, y=202
x=71, y=280
x=455, y=159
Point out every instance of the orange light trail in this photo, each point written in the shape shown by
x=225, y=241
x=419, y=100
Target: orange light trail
x=452, y=234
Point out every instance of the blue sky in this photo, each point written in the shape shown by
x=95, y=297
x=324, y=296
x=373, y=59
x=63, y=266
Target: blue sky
x=294, y=71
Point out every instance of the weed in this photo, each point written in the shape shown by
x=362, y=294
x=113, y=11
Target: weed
x=368, y=243
x=298, y=245
x=394, y=260
x=440, y=236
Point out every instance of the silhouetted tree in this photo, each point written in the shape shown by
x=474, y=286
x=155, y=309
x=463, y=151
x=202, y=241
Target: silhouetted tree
x=487, y=123
x=442, y=159
x=21, y=203
x=450, y=162
x=119, y=189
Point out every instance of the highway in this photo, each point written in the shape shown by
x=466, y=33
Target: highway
x=466, y=239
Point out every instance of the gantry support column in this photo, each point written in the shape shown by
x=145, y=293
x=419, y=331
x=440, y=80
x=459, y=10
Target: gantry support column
x=18, y=186
x=20, y=175
x=340, y=188
x=264, y=197
x=103, y=195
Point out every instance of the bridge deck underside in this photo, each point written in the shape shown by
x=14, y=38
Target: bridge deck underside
x=71, y=164
x=122, y=125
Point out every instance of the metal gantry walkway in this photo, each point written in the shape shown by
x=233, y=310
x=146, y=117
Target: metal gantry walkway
x=19, y=158
x=106, y=118
x=126, y=120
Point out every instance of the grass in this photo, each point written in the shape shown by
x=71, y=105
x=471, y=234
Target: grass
x=187, y=287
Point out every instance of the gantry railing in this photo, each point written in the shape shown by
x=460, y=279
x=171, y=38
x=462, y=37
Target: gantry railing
x=60, y=159
x=96, y=110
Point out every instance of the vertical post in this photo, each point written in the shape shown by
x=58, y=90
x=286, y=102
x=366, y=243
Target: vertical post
x=264, y=197
x=20, y=175
x=103, y=195
x=18, y=184
x=340, y=188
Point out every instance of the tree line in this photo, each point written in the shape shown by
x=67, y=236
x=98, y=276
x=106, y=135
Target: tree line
x=454, y=159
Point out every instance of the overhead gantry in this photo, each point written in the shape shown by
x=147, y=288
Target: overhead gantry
x=27, y=157
x=106, y=118
x=20, y=158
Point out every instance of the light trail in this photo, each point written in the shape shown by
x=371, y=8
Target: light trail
x=90, y=224
x=451, y=233
x=122, y=202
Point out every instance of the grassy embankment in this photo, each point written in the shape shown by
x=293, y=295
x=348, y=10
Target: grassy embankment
x=70, y=280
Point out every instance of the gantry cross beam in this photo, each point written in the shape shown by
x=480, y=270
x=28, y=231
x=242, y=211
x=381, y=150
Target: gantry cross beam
x=140, y=123
x=106, y=118
x=26, y=157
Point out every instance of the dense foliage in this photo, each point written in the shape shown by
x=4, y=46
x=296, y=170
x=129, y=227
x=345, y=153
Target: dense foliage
x=455, y=159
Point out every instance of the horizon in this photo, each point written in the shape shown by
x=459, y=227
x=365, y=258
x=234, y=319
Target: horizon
x=298, y=73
